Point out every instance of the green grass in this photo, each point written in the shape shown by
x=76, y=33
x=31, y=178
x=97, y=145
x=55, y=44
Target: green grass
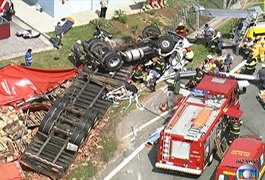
x=46, y=59
x=84, y=171
x=109, y=144
x=225, y=29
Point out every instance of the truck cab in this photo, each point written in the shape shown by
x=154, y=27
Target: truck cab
x=244, y=150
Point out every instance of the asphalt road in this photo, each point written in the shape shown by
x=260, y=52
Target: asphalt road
x=142, y=166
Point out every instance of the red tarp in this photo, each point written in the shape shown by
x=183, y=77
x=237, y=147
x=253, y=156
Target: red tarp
x=20, y=83
x=11, y=171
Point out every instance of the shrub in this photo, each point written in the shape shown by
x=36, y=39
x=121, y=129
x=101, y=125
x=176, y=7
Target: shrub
x=120, y=16
x=134, y=28
x=102, y=23
x=155, y=22
x=152, y=12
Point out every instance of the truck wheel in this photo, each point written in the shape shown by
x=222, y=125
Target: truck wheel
x=166, y=44
x=87, y=43
x=78, y=137
x=151, y=31
x=46, y=128
x=91, y=114
x=210, y=160
x=60, y=101
x=96, y=46
x=112, y=61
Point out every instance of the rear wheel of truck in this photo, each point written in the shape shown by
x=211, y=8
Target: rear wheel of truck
x=78, y=137
x=151, y=31
x=166, y=44
x=87, y=43
x=112, y=61
x=97, y=46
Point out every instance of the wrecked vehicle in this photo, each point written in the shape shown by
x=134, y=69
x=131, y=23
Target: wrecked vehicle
x=111, y=55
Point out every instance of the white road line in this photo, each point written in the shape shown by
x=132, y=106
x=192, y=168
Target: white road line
x=146, y=124
x=125, y=162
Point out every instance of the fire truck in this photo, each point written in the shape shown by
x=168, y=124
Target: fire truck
x=198, y=128
x=244, y=150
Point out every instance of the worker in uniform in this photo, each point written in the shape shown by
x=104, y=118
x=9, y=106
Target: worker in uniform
x=151, y=79
x=234, y=133
x=196, y=79
x=189, y=54
x=205, y=66
x=78, y=52
x=208, y=34
x=250, y=66
x=261, y=75
x=138, y=75
x=176, y=86
x=228, y=62
x=182, y=30
x=219, y=43
x=156, y=64
x=262, y=51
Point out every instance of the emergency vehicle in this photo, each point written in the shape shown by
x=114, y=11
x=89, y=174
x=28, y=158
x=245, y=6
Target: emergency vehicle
x=190, y=139
x=244, y=150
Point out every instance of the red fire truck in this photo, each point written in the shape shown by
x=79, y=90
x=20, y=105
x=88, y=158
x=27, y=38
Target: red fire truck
x=189, y=141
x=244, y=150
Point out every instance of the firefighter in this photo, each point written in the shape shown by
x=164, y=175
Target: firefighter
x=228, y=62
x=250, y=66
x=189, y=54
x=138, y=75
x=156, y=64
x=208, y=34
x=234, y=133
x=196, y=79
x=262, y=52
x=182, y=30
x=77, y=50
x=176, y=87
x=219, y=43
x=261, y=75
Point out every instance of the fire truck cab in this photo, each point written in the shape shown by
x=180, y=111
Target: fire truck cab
x=244, y=150
x=188, y=142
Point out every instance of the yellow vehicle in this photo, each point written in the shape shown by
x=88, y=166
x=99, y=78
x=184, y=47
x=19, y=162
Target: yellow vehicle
x=257, y=27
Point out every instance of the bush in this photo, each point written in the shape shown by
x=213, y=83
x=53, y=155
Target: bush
x=152, y=12
x=155, y=22
x=134, y=28
x=104, y=23
x=120, y=16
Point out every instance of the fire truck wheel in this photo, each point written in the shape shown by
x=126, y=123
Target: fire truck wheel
x=112, y=61
x=166, y=44
x=210, y=160
x=78, y=137
x=151, y=31
x=87, y=43
x=60, y=101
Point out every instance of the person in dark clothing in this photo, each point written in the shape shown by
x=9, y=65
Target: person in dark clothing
x=59, y=34
x=77, y=50
x=261, y=75
x=196, y=79
x=104, y=8
x=28, y=58
x=138, y=74
x=219, y=43
x=176, y=83
x=250, y=66
x=234, y=132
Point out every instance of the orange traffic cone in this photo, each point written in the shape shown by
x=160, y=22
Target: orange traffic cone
x=163, y=107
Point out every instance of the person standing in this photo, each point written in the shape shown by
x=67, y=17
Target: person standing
x=59, y=34
x=28, y=57
x=208, y=34
x=261, y=75
x=176, y=83
x=182, y=30
x=77, y=50
x=228, y=62
x=250, y=66
x=104, y=8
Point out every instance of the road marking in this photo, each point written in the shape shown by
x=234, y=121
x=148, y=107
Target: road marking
x=146, y=124
x=125, y=162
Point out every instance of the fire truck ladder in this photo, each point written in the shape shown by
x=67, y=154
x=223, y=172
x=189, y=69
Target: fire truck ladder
x=166, y=146
x=193, y=132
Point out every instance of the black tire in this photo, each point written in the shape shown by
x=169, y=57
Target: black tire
x=151, y=31
x=112, y=61
x=60, y=101
x=87, y=43
x=166, y=44
x=91, y=113
x=78, y=137
x=96, y=46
